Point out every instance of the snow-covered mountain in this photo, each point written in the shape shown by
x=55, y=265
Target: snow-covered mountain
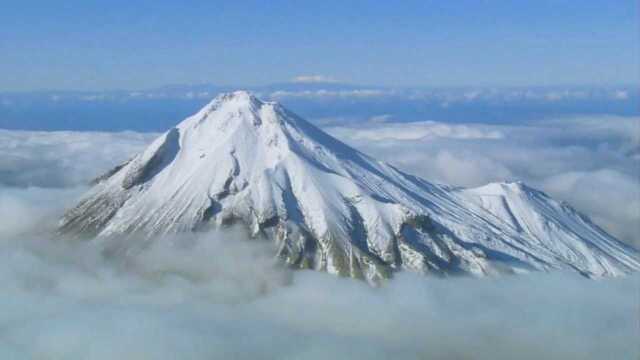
x=331, y=208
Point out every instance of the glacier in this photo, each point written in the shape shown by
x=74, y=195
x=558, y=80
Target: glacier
x=328, y=207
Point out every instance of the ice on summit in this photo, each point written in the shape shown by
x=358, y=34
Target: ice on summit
x=328, y=207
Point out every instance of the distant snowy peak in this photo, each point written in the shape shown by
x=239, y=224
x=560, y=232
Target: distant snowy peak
x=329, y=207
x=555, y=226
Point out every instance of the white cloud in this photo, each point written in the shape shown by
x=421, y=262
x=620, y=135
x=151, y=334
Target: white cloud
x=306, y=79
x=611, y=198
x=590, y=162
x=415, y=131
x=621, y=95
x=198, y=95
x=63, y=158
x=93, y=97
x=22, y=210
x=219, y=295
x=598, y=154
x=449, y=97
x=320, y=94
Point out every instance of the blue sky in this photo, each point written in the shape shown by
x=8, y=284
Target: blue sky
x=115, y=44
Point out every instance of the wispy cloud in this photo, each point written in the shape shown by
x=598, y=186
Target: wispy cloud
x=383, y=130
x=307, y=79
x=319, y=94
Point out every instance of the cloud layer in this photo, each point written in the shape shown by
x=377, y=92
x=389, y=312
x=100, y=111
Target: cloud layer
x=313, y=79
x=591, y=162
x=63, y=158
x=218, y=295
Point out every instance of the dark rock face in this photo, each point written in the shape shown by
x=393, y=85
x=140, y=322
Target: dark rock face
x=164, y=155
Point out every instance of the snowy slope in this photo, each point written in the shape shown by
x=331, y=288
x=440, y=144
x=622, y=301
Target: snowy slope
x=331, y=208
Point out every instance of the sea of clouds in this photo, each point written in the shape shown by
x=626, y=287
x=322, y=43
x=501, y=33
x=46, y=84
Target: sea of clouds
x=593, y=163
x=221, y=295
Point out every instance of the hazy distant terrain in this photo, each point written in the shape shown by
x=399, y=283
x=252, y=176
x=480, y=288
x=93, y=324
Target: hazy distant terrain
x=158, y=109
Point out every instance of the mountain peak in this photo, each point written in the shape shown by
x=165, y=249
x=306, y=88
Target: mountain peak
x=232, y=100
x=233, y=107
x=237, y=96
x=238, y=99
x=329, y=207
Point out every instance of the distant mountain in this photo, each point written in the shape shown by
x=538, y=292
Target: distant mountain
x=156, y=109
x=328, y=207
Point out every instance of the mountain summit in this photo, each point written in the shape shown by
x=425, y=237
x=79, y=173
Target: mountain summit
x=329, y=207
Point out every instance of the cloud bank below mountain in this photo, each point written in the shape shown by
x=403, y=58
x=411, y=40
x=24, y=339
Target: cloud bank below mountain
x=590, y=162
x=193, y=297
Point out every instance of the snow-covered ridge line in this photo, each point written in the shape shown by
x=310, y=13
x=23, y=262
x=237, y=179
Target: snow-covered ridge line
x=331, y=208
